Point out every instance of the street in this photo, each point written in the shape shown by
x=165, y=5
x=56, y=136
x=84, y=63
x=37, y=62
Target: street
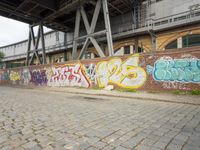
x=33, y=119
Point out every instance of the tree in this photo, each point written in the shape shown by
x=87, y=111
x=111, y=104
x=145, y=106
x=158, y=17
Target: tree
x=1, y=56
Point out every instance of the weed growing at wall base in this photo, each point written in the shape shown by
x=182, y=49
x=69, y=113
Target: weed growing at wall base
x=195, y=92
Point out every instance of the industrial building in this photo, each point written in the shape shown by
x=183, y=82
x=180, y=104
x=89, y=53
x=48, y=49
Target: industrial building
x=99, y=28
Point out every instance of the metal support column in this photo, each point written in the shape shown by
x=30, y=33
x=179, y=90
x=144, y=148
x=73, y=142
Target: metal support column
x=76, y=33
x=153, y=41
x=33, y=46
x=90, y=29
x=43, y=43
x=108, y=28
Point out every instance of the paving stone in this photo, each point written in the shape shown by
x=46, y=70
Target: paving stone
x=48, y=148
x=33, y=119
x=108, y=147
x=31, y=146
x=121, y=148
x=178, y=142
x=190, y=147
x=84, y=146
x=99, y=145
x=6, y=148
x=173, y=147
x=142, y=147
x=3, y=139
x=160, y=145
x=92, y=148
x=133, y=142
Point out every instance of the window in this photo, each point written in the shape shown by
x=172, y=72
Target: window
x=140, y=50
x=88, y=55
x=127, y=50
x=172, y=45
x=191, y=40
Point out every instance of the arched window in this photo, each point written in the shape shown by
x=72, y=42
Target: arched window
x=172, y=45
x=191, y=40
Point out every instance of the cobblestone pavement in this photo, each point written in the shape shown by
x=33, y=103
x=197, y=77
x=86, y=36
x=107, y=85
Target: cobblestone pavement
x=34, y=120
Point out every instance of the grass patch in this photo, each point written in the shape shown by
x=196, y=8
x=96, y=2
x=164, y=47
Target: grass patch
x=180, y=92
x=195, y=92
x=154, y=92
x=127, y=90
x=96, y=88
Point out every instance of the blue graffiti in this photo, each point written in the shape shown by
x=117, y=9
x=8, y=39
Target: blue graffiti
x=39, y=77
x=179, y=70
x=5, y=76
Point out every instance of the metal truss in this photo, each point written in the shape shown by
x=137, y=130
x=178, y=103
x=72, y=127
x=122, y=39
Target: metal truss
x=90, y=29
x=153, y=40
x=33, y=46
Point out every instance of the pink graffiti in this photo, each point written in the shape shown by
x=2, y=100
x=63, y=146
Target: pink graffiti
x=69, y=75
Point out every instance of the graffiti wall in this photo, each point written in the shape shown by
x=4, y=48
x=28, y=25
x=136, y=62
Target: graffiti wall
x=161, y=71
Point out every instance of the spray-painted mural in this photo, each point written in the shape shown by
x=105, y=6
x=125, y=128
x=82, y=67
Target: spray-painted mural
x=14, y=76
x=176, y=70
x=90, y=71
x=4, y=75
x=25, y=76
x=38, y=77
x=69, y=75
x=128, y=72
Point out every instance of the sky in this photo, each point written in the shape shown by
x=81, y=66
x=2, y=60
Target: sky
x=12, y=31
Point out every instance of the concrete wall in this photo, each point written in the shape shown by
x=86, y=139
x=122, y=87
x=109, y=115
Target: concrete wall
x=163, y=71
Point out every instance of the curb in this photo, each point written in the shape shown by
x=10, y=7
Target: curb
x=61, y=90
x=126, y=97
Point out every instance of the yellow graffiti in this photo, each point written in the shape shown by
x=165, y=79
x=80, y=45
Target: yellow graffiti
x=127, y=74
x=14, y=76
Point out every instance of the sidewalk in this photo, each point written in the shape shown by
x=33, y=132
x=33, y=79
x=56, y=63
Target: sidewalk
x=165, y=97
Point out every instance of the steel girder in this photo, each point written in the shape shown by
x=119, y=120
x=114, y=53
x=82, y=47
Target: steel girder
x=90, y=30
x=33, y=46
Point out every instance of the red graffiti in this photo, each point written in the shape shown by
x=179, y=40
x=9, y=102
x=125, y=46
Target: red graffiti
x=69, y=75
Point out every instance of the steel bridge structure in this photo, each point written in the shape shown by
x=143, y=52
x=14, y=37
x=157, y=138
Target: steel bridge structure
x=90, y=23
x=79, y=16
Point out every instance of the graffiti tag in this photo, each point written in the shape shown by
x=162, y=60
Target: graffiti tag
x=127, y=74
x=178, y=70
x=4, y=76
x=90, y=71
x=25, y=76
x=38, y=77
x=14, y=76
x=69, y=75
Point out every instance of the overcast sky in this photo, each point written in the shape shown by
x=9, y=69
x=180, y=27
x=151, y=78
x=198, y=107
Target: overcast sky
x=12, y=31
